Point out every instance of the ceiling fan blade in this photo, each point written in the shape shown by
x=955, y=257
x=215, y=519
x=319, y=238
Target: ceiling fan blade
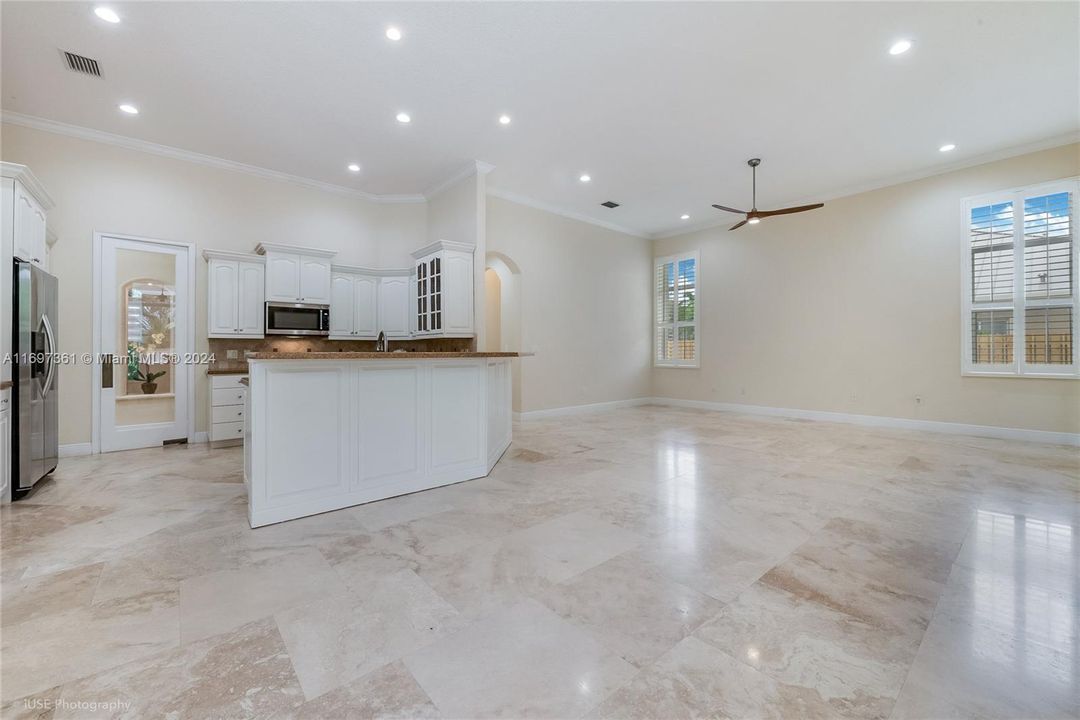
x=727, y=209
x=736, y=226
x=788, y=211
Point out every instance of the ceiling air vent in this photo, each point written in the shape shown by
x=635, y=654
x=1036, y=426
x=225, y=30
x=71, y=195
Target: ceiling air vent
x=610, y=204
x=82, y=64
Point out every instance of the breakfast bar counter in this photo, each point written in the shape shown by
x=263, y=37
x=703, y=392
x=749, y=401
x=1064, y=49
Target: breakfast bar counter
x=334, y=429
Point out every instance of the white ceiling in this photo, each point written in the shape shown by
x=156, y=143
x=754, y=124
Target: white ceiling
x=661, y=103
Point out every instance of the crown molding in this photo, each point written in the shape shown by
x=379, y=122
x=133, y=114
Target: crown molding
x=890, y=181
x=476, y=167
x=570, y=214
x=128, y=143
x=24, y=175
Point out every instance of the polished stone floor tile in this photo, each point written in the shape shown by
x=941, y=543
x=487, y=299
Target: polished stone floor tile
x=855, y=667
x=53, y=649
x=523, y=661
x=646, y=562
x=696, y=680
x=337, y=639
x=244, y=673
x=638, y=613
x=388, y=693
x=220, y=601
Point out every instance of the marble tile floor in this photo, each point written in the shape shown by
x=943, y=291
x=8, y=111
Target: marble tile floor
x=642, y=563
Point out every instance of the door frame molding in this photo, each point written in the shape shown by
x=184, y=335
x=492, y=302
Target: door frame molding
x=96, y=298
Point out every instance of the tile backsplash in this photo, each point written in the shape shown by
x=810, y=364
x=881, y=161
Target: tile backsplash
x=220, y=347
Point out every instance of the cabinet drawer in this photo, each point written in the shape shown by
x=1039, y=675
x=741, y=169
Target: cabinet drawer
x=219, y=382
x=227, y=431
x=227, y=414
x=228, y=396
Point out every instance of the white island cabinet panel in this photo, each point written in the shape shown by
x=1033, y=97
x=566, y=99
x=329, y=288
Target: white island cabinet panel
x=326, y=433
x=457, y=404
x=389, y=423
x=306, y=412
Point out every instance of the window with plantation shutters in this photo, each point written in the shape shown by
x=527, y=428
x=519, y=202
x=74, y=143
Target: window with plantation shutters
x=675, y=312
x=1020, y=295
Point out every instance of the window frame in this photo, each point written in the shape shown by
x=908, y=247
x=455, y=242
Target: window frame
x=1019, y=304
x=675, y=324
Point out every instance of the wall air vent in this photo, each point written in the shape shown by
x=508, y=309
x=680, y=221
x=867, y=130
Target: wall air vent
x=81, y=64
x=610, y=204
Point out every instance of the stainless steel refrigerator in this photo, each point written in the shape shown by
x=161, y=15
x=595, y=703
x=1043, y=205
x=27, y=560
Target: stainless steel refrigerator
x=34, y=395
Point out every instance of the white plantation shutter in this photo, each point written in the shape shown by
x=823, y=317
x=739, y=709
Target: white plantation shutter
x=1020, y=282
x=675, y=313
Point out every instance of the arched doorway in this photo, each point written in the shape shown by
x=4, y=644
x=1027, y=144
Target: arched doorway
x=502, y=313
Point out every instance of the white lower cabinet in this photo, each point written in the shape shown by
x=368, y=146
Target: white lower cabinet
x=227, y=397
x=5, y=446
x=326, y=434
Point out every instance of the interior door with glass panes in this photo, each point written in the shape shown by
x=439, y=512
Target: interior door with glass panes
x=144, y=331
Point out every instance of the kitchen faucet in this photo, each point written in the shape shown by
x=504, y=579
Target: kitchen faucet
x=380, y=343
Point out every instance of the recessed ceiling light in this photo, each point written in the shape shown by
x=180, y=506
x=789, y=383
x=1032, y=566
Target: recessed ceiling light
x=504, y=119
x=585, y=178
x=403, y=118
x=900, y=47
x=129, y=109
x=684, y=217
x=107, y=14
x=393, y=33
x=947, y=147
x=754, y=221
x=353, y=167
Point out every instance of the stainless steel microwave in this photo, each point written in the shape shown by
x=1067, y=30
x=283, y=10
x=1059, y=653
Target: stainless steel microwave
x=297, y=319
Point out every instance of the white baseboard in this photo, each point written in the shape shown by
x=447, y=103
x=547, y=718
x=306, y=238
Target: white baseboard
x=201, y=437
x=581, y=409
x=76, y=449
x=1002, y=433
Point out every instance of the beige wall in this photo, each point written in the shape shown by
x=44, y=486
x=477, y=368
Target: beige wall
x=855, y=308
x=585, y=306
x=100, y=187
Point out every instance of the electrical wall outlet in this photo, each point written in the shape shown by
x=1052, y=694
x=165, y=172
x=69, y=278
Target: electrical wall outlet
x=232, y=354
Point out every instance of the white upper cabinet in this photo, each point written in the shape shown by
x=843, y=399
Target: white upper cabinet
x=366, y=306
x=296, y=274
x=394, y=304
x=443, y=292
x=314, y=280
x=235, y=286
x=282, y=278
x=22, y=235
x=358, y=303
x=341, y=304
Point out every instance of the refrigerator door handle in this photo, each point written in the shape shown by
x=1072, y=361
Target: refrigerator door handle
x=50, y=349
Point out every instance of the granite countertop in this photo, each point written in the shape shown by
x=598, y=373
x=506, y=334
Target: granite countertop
x=233, y=367
x=380, y=355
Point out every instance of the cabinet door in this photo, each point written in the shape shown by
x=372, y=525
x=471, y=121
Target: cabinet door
x=341, y=305
x=224, y=298
x=29, y=227
x=457, y=305
x=365, y=315
x=5, y=445
x=394, y=306
x=314, y=280
x=283, y=278
x=423, y=298
x=250, y=305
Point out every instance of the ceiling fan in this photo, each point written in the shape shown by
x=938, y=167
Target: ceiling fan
x=753, y=216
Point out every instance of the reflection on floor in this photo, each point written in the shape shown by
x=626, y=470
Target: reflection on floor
x=647, y=562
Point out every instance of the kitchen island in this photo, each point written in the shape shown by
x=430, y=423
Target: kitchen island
x=328, y=430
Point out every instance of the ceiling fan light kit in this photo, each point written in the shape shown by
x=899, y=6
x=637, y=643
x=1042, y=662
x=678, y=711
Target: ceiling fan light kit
x=753, y=215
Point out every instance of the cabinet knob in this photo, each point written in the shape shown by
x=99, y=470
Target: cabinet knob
x=239, y=414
